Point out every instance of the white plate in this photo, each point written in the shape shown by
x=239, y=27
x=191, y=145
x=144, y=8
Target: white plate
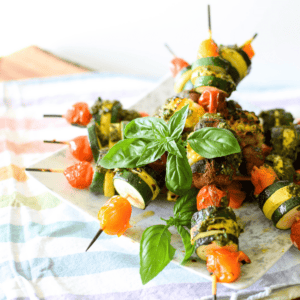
x=261, y=241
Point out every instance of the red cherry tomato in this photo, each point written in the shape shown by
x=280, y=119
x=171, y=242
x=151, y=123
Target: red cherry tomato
x=208, y=48
x=295, y=233
x=81, y=149
x=209, y=195
x=80, y=175
x=114, y=216
x=177, y=64
x=226, y=265
x=212, y=100
x=79, y=114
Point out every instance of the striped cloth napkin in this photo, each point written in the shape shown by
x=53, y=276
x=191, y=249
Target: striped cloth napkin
x=43, y=239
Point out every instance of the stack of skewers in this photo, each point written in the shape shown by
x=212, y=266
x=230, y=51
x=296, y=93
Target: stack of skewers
x=264, y=166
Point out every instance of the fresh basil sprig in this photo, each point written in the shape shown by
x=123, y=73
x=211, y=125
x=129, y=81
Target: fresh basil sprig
x=147, y=139
x=156, y=250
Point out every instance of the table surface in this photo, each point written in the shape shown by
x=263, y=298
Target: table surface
x=43, y=239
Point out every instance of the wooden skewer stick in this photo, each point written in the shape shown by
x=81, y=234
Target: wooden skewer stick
x=53, y=116
x=45, y=170
x=56, y=142
x=249, y=41
x=214, y=286
x=170, y=50
x=209, y=21
x=94, y=239
x=255, y=35
x=242, y=178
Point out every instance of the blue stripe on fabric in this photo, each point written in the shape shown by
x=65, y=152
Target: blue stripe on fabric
x=86, y=263
x=22, y=234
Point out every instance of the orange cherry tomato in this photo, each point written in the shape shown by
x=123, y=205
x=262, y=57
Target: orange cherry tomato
x=226, y=265
x=208, y=48
x=249, y=50
x=79, y=114
x=80, y=175
x=114, y=216
x=212, y=99
x=177, y=64
x=209, y=195
x=81, y=149
x=295, y=233
x=262, y=177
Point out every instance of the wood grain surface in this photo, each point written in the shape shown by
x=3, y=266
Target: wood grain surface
x=33, y=62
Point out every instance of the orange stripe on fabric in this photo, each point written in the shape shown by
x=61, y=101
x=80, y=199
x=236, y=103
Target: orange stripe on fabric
x=13, y=171
x=31, y=124
x=30, y=147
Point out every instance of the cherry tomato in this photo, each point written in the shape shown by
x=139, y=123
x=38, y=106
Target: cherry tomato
x=249, y=50
x=177, y=64
x=143, y=114
x=235, y=195
x=208, y=48
x=80, y=175
x=114, y=216
x=212, y=100
x=81, y=149
x=209, y=195
x=262, y=177
x=226, y=265
x=79, y=114
x=295, y=233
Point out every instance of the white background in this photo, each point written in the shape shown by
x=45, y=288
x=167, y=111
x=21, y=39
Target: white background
x=128, y=36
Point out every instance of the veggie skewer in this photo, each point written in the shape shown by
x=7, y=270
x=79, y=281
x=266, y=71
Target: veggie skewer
x=79, y=175
x=79, y=147
x=79, y=114
x=114, y=217
x=215, y=235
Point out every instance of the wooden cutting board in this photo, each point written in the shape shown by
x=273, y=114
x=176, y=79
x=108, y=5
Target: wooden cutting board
x=34, y=62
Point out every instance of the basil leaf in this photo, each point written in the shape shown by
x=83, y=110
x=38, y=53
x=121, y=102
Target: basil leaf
x=185, y=207
x=186, y=239
x=160, y=131
x=177, y=122
x=155, y=251
x=124, y=154
x=213, y=142
x=152, y=152
x=142, y=127
x=178, y=173
x=172, y=147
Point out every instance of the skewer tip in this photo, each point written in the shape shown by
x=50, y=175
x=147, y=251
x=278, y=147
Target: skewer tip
x=214, y=286
x=94, y=239
x=170, y=50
